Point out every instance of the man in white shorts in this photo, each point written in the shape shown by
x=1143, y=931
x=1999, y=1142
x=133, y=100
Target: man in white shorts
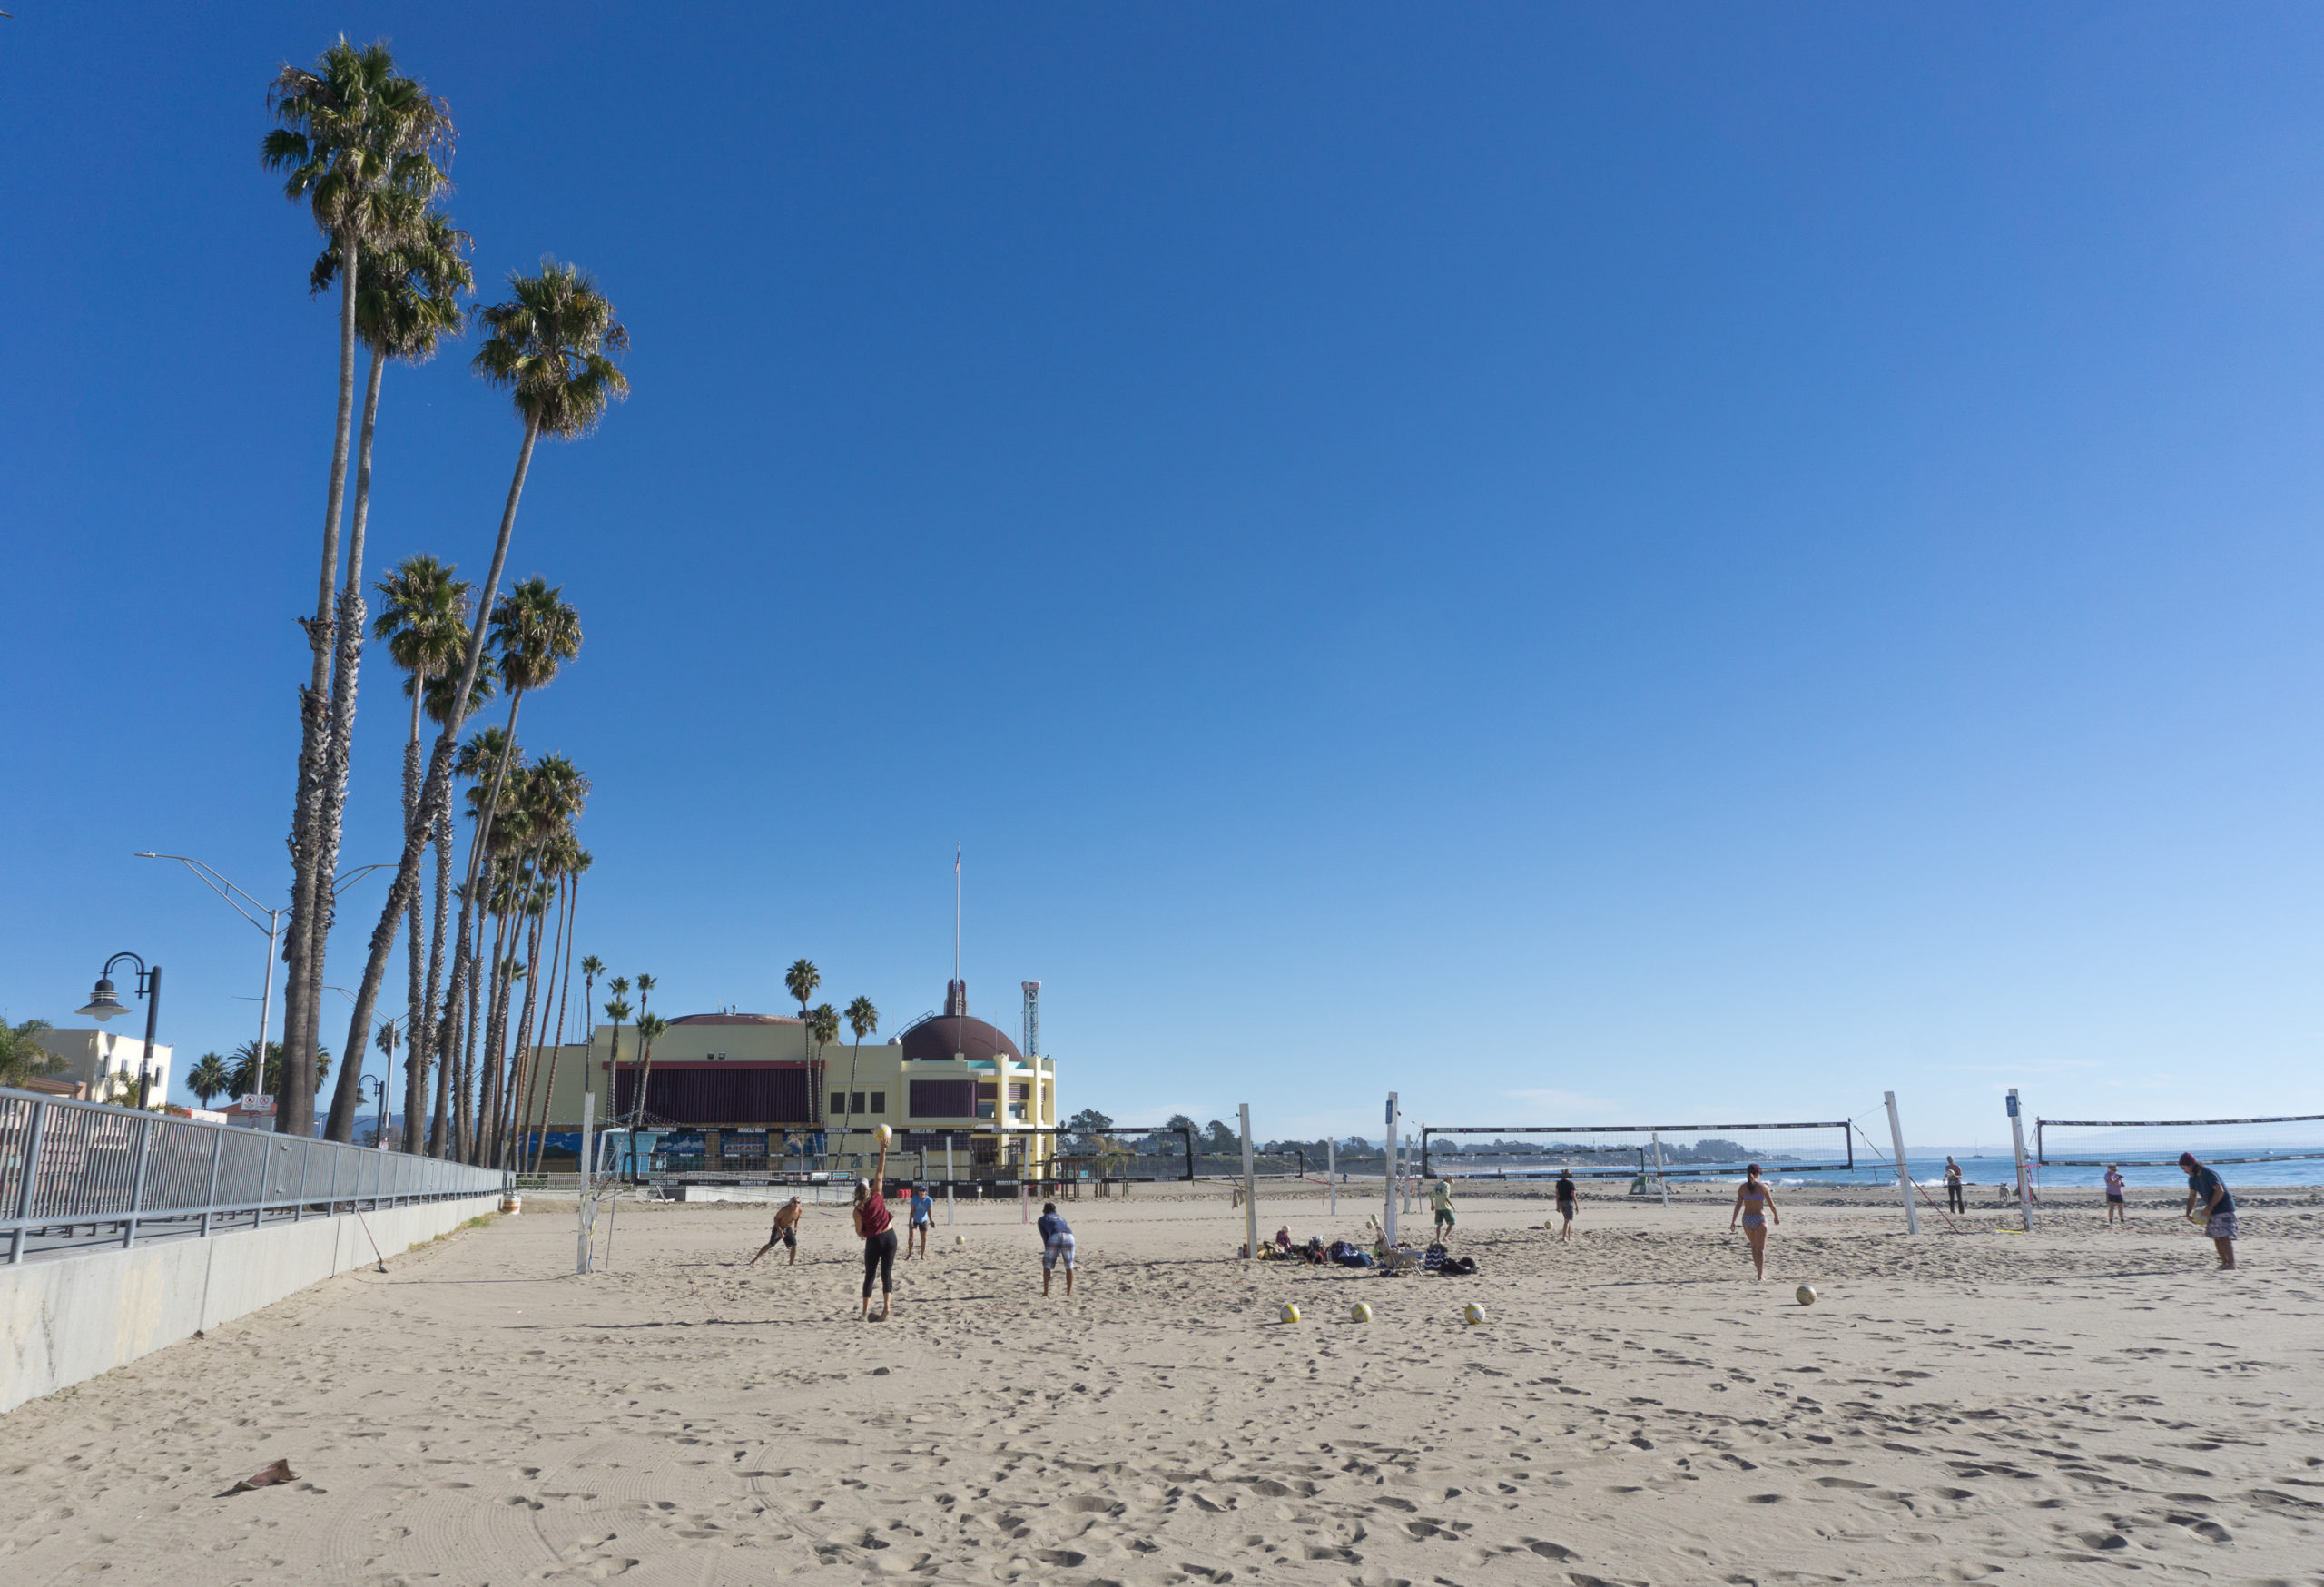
x=1056, y=1246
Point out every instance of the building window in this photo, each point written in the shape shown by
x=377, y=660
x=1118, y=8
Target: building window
x=858, y=1099
x=1020, y=1090
x=839, y=1105
x=879, y=1102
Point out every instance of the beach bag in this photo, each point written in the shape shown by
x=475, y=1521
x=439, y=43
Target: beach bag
x=1433, y=1260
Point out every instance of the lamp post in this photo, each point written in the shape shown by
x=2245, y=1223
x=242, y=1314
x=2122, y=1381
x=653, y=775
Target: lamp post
x=250, y=909
x=103, y=1005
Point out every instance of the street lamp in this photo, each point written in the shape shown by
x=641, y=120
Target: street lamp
x=250, y=909
x=103, y=1004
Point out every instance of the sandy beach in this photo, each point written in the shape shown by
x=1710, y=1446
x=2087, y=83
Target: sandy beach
x=1958, y=1407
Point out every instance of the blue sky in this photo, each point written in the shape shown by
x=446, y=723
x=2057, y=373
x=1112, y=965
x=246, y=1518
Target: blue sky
x=1576, y=564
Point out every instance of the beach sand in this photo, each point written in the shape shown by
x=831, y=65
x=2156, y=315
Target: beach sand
x=1964, y=1405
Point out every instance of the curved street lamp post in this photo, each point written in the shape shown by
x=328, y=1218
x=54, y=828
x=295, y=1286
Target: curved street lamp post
x=105, y=1004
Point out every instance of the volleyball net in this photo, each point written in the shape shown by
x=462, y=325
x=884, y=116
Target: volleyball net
x=1628, y=1151
x=2097, y=1143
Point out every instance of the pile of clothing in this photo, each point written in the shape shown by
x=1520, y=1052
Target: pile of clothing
x=1436, y=1259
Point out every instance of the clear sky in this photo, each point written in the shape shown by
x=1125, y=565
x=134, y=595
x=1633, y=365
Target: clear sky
x=1579, y=563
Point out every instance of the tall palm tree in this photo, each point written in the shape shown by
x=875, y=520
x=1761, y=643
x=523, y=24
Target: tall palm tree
x=484, y=749
x=649, y=1026
x=408, y=300
x=550, y=347
x=558, y=863
x=617, y=1009
x=424, y=621
x=386, y=1042
x=575, y=864
x=361, y=146
x=444, y=695
x=535, y=633
x=801, y=980
x=209, y=1077
x=864, y=1020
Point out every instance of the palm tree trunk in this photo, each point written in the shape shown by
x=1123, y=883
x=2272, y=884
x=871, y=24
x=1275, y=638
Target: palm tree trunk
x=564, y=990
x=417, y=1046
x=464, y=1088
x=520, y=1070
x=496, y=1031
x=295, y=1114
x=345, y=674
x=440, y=829
x=563, y=906
x=437, y=786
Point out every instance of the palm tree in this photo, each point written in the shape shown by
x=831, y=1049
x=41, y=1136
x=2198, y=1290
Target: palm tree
x=360, y=145
x=649, y=1026
x=564, y=860
x=617, y=1009
x=406, y=300
x=550, y=348
x=535, y=633
x=444, y=696
x=244, y=1082
x=386, y=1042
x=424, y=621
x=209, y=1077
x=864, y=1020
x=22, y=1056
x=801, y=979
x=487, y=748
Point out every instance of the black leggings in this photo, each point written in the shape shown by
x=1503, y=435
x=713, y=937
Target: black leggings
x=1953, y=1194
x=880, y=1258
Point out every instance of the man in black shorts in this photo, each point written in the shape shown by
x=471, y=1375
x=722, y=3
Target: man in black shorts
x=1566, y=1194
x=787, y=1232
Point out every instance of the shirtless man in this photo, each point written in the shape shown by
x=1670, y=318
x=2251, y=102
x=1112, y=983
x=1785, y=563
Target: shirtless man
x=787, y=1232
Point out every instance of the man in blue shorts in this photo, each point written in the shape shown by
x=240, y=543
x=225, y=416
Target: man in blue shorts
x=923, y=1217
x=2206, y=1190
x=1056, y=1246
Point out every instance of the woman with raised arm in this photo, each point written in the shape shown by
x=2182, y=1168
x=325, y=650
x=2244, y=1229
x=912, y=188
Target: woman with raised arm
x=872, y=1222
x=1754, y=1204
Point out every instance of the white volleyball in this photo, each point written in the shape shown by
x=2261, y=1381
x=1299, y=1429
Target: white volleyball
x=1473, y=1313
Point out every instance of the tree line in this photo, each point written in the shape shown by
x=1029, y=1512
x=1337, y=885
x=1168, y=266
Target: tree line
x=368, y=151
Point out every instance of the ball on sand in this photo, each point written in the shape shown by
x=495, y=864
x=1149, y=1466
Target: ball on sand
x=1807, y=1294
x=1358, y=1312
x=1473, y=1315
x=883, y=1133
x=960, y=1239
x=1290, y=1312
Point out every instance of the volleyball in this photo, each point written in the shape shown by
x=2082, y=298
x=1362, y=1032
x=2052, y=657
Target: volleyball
x=1807, y=1294
x=883, y=1133
x=960, y=1239
x=1290, y=1312
x=1358, y=1312
x=1473, y=1313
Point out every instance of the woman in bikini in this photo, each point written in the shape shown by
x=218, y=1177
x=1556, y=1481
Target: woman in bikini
x=1754, y=1204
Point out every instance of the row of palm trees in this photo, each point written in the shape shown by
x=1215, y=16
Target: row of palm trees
x=367, y=150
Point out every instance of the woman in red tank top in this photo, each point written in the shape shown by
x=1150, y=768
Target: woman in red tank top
x=872, y=1222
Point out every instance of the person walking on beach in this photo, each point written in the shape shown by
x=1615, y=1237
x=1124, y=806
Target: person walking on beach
x=1754, y=1204
x=1056, y=1246
x=2116, y=1209
x=787, y=1233
x=1568, y=1194
x=2207, y=1190
x=1952, y=1184
x=1439, y=1196
x=879, y=1232
x=923, y=1219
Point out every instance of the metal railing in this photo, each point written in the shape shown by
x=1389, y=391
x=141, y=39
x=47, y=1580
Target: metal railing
x=79, y=1175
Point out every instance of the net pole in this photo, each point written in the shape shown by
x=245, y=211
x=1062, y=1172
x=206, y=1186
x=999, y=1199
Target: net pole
x=1389, y=1147
x=1250, y=1190
x=1661, y=1183
x=948, y=1179
x=584, y=1242
x=1331, y=1174
x=1903, y=1175
x=2017, y=1146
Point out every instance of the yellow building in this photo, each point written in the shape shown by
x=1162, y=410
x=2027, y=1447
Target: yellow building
x=744, y=1091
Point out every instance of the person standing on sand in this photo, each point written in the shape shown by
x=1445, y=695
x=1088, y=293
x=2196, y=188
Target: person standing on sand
x=923, y=1219
x=2116, y=1210
x=879, y=1232
x=1754, y=1205
x=787, y=1233
x=2207, y=1190
x=1567, y=1193
x=1439, y=1196
x=1952, y=1184
x=1056, y=1246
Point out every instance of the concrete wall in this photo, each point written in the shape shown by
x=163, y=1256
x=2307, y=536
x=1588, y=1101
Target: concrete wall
x=68, y=1318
